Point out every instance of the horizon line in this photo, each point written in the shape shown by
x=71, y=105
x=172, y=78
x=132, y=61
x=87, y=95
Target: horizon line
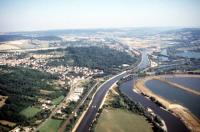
x=98, y=28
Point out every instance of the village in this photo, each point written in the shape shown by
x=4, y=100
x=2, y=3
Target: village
x=72, y=78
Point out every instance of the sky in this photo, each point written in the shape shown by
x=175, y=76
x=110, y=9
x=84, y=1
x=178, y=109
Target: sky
x=30, y=15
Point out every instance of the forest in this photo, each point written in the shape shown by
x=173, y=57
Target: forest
x=102, y=58
x=22, y=87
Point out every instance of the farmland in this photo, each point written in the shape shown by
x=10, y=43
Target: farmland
x=58, y=100
x=30, y=112
x=113, y=120
x=51, y=125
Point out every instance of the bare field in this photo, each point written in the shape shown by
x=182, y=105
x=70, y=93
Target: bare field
x=7, y=123
x=2, y=100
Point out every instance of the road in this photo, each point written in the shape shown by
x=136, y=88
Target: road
x=54, y=110
x=98, y=97
x=144, y=63
x=172, y=122
x=96, y=102
x=62, y=128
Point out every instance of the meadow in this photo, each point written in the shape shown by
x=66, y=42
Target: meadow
x=115, y=120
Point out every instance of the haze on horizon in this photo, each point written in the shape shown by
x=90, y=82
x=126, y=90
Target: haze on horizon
x=29, y=15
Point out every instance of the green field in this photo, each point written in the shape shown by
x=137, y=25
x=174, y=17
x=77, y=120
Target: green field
x=197, y=70
x=52, y=125
x=58, y=100
x=118, y=120
x=30, y=111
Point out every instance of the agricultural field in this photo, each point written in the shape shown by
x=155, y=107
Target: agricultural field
x=21, y=98
x=58, y=100
x=115, y=120
x=52, y=125
x=30, y=112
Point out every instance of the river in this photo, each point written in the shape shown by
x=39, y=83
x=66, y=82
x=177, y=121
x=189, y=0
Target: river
x=173, y=123
x=175, y=95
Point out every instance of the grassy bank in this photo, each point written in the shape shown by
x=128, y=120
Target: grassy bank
x=120, y=114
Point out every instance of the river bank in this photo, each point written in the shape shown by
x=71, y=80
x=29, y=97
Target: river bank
x=117, y=113
x=181, y=112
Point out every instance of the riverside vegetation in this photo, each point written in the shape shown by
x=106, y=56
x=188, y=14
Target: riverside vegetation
x=121, y=102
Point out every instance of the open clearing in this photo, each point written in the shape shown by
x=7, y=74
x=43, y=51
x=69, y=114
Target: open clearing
x=52, y=125
x=58, y=100
x=46, y=92
x=2, y=100
x=118, y=120
x=7, y=123
x=30, y=111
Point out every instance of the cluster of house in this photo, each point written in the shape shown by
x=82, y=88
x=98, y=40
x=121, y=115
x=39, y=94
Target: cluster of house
x=40, y=62
x=23, y=129
x=46, y=104
x=68, y=72
x=70, y=75
x=76, y=94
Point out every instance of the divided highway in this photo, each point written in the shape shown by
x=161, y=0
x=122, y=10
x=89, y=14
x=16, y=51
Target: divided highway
x=96, y=102
x=98, y=97
x=173, y=123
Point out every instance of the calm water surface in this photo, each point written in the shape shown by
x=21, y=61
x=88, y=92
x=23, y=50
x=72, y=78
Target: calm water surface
x=189, y=54
x=173, y=123
x=190, y=101
x=190, y=82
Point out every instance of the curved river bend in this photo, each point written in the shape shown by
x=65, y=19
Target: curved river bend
x=173, y=123
x=176, y=95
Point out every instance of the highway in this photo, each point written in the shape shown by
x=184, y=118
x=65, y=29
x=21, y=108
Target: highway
x=172, y=122
x=98, y=97
x=53, y=112
x=96, y=102
x=62, y=128
x=93, y=108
